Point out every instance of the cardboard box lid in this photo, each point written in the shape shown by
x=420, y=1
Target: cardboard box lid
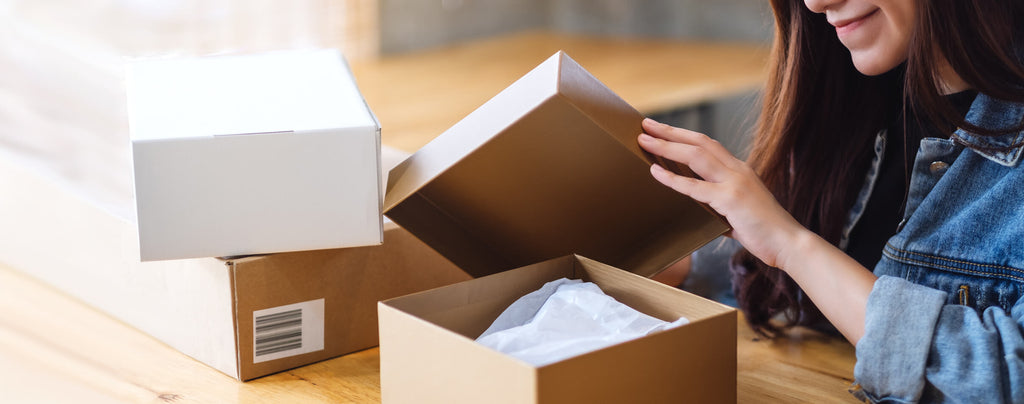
x=289, y=91
x=550, y=166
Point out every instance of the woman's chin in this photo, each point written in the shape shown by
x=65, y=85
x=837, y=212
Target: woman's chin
x=870, y=64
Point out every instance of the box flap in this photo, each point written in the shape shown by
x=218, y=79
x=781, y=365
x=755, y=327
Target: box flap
x=472, y=132
x=546, y=168
x=610, y=112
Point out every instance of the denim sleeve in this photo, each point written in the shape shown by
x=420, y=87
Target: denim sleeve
x=917, y=348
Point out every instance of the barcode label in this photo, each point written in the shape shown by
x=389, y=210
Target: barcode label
x=284, y=331
x=279, y=332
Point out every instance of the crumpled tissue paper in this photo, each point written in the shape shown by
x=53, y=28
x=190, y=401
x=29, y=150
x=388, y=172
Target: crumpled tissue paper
x=565, y=318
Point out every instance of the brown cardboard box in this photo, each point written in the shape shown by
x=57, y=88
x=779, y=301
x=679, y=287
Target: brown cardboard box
x=548, y=167
x=429, y=354
x=350, y=280
x=206, y=307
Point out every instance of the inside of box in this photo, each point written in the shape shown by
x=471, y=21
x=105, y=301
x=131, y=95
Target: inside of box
x=646, y=296
x=554, y=183
x=468, y=308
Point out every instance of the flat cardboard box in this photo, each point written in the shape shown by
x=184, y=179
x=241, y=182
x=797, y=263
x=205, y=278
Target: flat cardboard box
x=428, y=351
x=548, y=167
x=250, y=154
x=206, y=307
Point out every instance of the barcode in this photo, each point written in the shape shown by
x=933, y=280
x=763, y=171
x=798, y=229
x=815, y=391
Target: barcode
x=289, y=330
x=278, y=332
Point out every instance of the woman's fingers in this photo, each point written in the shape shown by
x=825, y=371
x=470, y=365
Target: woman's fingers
x=730, y=187
x=692, y=187
x=697, y=158
x=680, y=135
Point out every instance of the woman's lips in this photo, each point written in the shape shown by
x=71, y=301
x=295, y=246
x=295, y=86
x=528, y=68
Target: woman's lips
x=849, y=25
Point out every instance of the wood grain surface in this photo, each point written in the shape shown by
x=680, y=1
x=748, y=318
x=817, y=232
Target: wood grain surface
x=418, y=95
x=54, y=349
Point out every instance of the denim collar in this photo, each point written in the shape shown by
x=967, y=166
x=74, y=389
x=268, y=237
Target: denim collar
x=988, y=112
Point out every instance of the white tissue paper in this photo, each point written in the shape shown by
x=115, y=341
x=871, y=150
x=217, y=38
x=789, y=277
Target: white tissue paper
x=565, y=318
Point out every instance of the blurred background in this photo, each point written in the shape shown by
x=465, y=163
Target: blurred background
x=61, y=61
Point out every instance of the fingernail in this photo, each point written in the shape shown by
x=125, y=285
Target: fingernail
x=649, y=120
x=658, y=167
x=646, y=138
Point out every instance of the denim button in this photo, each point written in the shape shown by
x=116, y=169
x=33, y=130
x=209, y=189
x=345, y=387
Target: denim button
x=938, y=167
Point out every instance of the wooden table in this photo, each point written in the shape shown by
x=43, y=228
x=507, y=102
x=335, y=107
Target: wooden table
x=54, y=348
x=417, y=96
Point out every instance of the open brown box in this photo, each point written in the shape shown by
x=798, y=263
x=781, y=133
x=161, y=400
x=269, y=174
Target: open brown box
x=548, y=168
x=429, y=353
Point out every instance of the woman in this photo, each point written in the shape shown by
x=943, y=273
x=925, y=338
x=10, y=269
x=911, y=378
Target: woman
x=890, y=138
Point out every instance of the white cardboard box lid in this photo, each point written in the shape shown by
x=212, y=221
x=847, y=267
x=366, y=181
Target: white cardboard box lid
x=241, y=94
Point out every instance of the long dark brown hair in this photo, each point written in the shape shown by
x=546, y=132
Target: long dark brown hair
x=815, y=135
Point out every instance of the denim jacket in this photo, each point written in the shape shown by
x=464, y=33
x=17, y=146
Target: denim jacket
x=944, y=320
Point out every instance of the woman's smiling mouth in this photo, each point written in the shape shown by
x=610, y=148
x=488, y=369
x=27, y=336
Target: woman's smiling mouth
x=849, y=25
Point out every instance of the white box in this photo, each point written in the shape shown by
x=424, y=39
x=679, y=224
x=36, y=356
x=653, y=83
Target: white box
x=251, y=154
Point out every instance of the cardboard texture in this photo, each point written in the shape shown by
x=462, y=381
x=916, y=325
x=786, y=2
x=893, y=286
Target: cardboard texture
x=550, y=166
x=351, y=280
x=429, y=354
x=205, y=307
x=251, y=154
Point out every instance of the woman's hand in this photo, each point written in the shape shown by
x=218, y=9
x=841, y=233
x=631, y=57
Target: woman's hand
x=837, y=284
x=729, y=186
